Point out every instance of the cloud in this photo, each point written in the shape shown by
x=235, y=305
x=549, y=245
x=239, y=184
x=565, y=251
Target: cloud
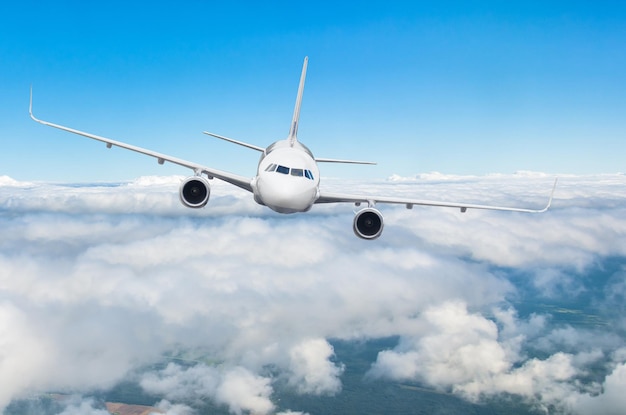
x=463, y=352
x=83, y=407
x=99, y=281
x=18, y=342
x=461, y=348
x=311, y=370
x=237, y=388
x=6, y=181
x=610, y=398
x=244, y=391
x=168, y=408
x=564, y=235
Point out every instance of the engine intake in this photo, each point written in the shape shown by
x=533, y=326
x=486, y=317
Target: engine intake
x=368, y=223
x=194, y=192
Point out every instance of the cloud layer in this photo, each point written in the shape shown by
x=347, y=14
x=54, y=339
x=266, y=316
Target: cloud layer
x=97, y=281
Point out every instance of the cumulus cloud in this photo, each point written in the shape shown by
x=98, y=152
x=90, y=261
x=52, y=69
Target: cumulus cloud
x=168, y=408
x=609, y=399
x=18, y=339
x=311, y=370
x=462, y=347
x=83, y=407
x=98, y=281
x=463, y=352
x=6, y=181
x=237, y=388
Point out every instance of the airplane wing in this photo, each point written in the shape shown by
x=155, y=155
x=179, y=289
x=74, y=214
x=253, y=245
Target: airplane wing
x=409, y=203
x=237, y=180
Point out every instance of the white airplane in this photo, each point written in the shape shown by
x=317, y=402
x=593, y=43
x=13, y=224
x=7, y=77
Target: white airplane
x=287, y=179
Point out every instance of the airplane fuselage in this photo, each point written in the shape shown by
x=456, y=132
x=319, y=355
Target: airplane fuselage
x=287, y=179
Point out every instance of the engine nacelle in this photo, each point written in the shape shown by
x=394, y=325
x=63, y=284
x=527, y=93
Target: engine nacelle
x=368, y=223
x=194, y=192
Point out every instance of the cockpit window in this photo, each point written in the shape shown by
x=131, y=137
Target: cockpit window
x=282, y=169
x=286, y=170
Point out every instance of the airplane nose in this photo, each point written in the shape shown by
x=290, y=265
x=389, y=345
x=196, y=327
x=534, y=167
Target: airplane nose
x=285, y=194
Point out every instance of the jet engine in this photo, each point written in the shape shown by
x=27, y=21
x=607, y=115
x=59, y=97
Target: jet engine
x=368, y=223
x=194, y=192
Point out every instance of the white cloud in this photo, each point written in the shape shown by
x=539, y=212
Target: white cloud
x=6, y=181
x=611, y=399
x=463, y=352
x=96, y=281
x=237, y=388
x=83, y=407
x=22, y=352
x=311, y=370
x=182, y=384
x=243, y=391
x=168, y=408
x=457, y=348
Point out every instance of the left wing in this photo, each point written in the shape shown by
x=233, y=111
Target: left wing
x=235, y=179
x=409, y=203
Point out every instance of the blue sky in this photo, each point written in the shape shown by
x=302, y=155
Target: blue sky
x=417, y=86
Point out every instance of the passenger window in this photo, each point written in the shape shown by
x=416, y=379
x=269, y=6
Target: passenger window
x=297, y=172
x=282, y=169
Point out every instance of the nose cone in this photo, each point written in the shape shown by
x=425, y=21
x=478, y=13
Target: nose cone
x=286, y=194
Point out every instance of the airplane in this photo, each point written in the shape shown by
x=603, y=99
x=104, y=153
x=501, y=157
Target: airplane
x=287, y=178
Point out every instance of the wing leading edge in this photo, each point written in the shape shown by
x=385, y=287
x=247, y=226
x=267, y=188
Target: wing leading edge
x=234, y=179
x=409, y=203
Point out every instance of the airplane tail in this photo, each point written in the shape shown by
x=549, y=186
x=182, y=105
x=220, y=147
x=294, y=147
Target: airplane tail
x=292, y=139
x=293, y=131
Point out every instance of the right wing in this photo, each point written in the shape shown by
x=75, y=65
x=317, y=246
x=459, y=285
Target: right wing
x=409, y=203
x=234, y=179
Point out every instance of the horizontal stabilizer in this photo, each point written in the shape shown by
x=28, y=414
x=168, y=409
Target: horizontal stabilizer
x=232, y=140
x=323, y=160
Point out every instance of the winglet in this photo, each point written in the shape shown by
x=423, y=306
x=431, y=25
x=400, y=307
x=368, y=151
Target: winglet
x=556, y=180
x=293, y=131
x=30, y=106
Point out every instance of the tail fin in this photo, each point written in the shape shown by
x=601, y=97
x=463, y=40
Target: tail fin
x=293, y=132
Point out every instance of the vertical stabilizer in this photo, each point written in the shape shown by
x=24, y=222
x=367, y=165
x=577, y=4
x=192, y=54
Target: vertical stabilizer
x=293, y=132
